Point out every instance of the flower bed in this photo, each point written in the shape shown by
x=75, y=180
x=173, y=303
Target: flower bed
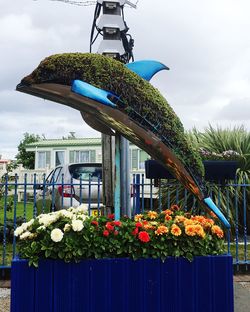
x=128, y=265
x=71, y=235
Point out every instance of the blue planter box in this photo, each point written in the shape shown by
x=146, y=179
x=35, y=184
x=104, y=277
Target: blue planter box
x=124, y=285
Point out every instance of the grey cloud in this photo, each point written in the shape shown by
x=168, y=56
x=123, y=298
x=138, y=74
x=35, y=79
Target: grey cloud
x=205, y=44
x=236, y=110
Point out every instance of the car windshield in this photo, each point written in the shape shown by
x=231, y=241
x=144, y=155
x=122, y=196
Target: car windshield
x=80, y=172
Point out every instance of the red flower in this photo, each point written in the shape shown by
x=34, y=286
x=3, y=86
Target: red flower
x=105, y=233
x=117, y=223
x=111, y=216
x=138, y=224
x=144, y=237
x=116, y=232
x=135, y=231
x=94, y=222
x=109, y=226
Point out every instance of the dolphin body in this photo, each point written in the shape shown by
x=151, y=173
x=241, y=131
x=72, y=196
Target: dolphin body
x=116, y=97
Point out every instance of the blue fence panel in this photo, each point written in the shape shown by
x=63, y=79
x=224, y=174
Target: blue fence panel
x=22, y=200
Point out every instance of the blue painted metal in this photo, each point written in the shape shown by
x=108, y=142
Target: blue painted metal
x=89, y=197
x=34, y=198
x=146, y=69
x=25, y=197
x=137, y=194
x=5, y=219
x=109, y=284
x=211, y=205
x=89, y=91
x=14, y=215
x=117, y=192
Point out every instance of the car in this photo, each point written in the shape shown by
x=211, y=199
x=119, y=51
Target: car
x=69, y=186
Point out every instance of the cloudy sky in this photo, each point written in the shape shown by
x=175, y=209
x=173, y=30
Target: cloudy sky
x=205, y=43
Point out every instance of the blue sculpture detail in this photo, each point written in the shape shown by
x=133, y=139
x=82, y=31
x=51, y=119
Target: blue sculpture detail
x=146, y=69
x=211, y=205
x=91, y=92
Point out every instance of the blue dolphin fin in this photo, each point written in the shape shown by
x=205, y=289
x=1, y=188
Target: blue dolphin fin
x=211, y=205
x=146, y=69
x=89, y=91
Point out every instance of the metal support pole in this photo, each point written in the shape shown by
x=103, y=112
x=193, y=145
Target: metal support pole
x=117, y=177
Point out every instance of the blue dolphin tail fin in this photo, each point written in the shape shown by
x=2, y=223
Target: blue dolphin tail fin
x=211, y=205
x=146, y=69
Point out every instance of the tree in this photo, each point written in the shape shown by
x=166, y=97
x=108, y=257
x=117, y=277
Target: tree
x=27, y=159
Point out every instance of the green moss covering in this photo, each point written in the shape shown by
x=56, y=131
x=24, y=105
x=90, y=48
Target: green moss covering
x=138, y=94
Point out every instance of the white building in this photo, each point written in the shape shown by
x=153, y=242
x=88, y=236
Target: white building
x=50, y=153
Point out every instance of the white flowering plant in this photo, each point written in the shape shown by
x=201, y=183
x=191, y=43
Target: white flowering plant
x=40, y=237
x=72, y=235
x=226, y=155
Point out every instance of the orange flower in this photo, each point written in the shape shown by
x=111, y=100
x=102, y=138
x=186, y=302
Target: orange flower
x=138, y=217
x=148, y=226
x=162, y=229
x=217, y=231
x=200, y=231
x=213, y=215
x=189, y=222
x=167, y=211
x=179, y=219
x=152, y=214
x=190, y=230
x=175, y=230
x=168, y=217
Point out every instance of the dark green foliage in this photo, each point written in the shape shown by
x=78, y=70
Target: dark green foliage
x=27, y=159
x=9, y=228
x=135, y=92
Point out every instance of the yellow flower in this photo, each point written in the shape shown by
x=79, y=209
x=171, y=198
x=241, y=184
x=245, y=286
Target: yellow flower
x=152, y=214
x=175, y=230
x=138, y=217
x=162, y=229
x=180, y=219
x=190, y=230
x=200, y=231
x=189, y=222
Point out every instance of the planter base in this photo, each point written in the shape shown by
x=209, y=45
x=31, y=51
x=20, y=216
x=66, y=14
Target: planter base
x=124, y=285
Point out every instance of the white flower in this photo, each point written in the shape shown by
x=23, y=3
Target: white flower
x=30, y=222
x=42, y=228
x=67, y=227
x=25, y=235
x=48, y=219
x=83, y=217
x=82, y=208
x=18, y=231
x=77, y=225
x=56, y=235
x=65, y=213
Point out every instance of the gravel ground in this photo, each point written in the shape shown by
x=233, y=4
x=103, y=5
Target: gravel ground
x=4, y=300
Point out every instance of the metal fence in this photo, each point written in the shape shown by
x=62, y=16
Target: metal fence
x=21, y=200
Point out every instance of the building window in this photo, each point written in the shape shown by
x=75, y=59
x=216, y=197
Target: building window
x=59, y=158
x=82, y=156
x=43, y=160
x=137, y=159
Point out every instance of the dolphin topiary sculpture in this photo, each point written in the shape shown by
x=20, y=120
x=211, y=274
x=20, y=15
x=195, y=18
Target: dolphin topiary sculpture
x=113, y=96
